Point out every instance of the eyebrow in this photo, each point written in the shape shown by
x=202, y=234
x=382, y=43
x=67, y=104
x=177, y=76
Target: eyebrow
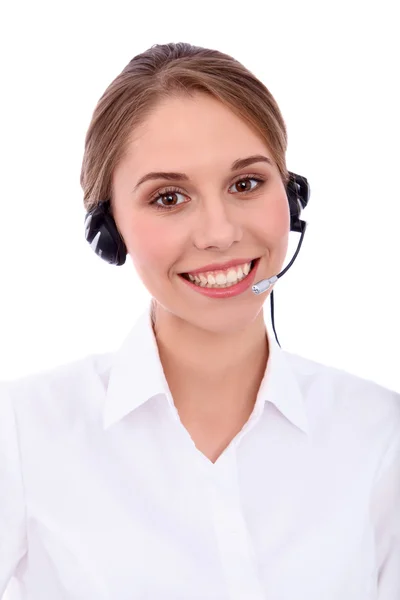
x=241, y=163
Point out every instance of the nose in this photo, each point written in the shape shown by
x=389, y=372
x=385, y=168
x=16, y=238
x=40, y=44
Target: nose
x=215, y=226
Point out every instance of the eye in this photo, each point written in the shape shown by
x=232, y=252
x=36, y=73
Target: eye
x=168, y=198
x=246, y=180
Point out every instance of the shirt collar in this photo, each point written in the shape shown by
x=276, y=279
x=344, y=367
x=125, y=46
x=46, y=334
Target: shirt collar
x=137, y=375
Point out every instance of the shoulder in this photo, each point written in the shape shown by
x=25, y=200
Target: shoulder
x=345, y=400
x=58, y=393
x=341, y=385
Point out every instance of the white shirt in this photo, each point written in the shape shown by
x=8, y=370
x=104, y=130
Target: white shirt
x=104, y=496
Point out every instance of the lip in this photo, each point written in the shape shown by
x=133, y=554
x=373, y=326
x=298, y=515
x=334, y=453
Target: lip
x=228, y=292
x=220, y=266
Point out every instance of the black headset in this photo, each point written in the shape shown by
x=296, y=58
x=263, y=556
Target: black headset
x=104, y=238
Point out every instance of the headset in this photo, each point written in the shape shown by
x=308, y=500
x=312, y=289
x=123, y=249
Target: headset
x=104, y=238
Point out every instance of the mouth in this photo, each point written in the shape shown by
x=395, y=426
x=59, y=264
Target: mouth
x=221, y=279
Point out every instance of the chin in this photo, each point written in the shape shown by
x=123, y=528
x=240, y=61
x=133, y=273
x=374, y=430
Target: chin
x=222, y=320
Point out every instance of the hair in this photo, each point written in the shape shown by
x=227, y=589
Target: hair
x=159, y=73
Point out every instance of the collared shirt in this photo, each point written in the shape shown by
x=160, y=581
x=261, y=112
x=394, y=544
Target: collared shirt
x=104, y=495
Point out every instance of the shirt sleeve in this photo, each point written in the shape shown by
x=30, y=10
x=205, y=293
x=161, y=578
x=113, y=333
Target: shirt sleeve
x=385, y=513
x=13, y=542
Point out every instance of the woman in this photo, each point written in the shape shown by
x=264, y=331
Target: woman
x=199, y=460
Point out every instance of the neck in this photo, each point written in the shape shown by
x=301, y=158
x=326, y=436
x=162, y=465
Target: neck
x=208, y=367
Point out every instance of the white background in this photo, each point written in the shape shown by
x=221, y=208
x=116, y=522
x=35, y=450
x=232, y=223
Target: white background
x=334, y=71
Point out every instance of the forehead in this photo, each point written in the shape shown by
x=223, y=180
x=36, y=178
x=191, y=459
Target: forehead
x=196, y=130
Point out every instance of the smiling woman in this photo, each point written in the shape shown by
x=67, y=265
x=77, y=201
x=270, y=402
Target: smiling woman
x=199, y=460
x=217, y=211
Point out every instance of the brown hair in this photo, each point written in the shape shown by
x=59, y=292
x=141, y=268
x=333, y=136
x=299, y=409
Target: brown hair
x=157, y=74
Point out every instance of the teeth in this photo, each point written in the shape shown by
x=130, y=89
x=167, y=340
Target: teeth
x=211, y=280
x=221, y=279
x=232, y=276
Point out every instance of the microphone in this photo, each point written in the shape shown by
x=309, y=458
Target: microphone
x=265, y=284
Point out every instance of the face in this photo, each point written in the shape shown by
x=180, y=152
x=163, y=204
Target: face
x=212, y=215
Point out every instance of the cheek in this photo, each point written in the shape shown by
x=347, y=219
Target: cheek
x=274, y=222
x=282, y=230
x=151, y=248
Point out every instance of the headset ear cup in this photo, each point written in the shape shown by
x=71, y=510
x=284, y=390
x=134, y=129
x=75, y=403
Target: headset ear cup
x=103, y=236
x=112, y=245
x=298, y=193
